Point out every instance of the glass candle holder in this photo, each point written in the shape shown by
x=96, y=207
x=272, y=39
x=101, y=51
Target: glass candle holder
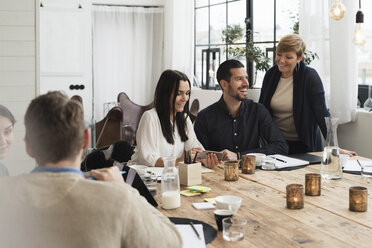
x=295, y=196
x=312, y=184
x=248, y=164
x=358, y=201
x=231, y=170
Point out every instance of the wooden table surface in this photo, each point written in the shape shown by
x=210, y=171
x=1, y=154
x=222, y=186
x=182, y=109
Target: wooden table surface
x=325, y=220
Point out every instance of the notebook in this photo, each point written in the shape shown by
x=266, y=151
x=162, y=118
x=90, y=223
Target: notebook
x=287, y=163
x=313, y=159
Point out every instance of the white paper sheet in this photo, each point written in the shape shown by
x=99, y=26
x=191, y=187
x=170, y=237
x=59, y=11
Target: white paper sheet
x=352, y=165
x=203, y=205
x=189, y=238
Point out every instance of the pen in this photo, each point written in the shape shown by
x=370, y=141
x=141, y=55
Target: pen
x=194, y=161
x=359, y=163
x=93, y=178
x=193, y=228
x=281, y=160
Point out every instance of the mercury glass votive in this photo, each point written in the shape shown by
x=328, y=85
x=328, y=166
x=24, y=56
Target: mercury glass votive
x=312, y=184
x=358, y=201
x=295, y=196
x=248, y=164
x=231, y=170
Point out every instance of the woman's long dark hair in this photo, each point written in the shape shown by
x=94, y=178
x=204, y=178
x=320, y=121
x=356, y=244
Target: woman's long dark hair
x=4, y=111
x=168, y=83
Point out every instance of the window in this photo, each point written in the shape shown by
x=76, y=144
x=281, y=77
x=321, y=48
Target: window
x=271, y=20
x=364, y=53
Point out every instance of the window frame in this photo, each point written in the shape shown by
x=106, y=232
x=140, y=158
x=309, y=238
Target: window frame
x=249, y=24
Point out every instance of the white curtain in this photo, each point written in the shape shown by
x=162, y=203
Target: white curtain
x=332, y=41
x=127, y=53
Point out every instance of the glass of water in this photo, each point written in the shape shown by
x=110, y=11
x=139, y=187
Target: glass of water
x=233, y=229
x=366, y=170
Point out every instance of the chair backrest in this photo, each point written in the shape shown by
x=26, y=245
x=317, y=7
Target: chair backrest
x=109, y=129
x=132, y=114
x=121, y=151
x=194, y=109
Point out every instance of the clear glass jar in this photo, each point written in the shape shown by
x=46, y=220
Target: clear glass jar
x=331, y=167
x=231, y=170
x=170, y=185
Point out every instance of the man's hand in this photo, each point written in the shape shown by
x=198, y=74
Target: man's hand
x=110, y=174
x=210, y=160
x=350, y=153
x=228, y=155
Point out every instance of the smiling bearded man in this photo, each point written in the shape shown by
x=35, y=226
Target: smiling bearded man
x=237, y=125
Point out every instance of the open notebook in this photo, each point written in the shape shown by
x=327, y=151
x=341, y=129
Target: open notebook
x=287, y=163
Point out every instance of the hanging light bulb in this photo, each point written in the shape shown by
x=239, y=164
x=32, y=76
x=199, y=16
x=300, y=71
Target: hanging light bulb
x=337, y=10
x=359, y=38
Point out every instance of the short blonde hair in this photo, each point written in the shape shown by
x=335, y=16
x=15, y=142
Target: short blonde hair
x=292, y=42
x=54, y=128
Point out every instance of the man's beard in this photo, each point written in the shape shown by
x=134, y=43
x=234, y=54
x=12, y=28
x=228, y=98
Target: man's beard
x=236, y=94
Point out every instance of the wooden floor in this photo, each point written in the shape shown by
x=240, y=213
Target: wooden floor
x=325, y=220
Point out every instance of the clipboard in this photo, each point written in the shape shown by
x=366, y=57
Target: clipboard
x=313, y=159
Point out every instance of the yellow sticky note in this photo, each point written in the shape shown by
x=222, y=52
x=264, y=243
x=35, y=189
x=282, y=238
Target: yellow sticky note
x=211, y=200
x=198, y=188
x=189, y=193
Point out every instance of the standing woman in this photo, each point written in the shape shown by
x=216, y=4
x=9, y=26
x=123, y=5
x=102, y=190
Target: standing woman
x=6, y=136
x=166, y=130
x=294, y=95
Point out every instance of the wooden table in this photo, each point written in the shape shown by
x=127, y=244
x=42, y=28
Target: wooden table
x=325, y=220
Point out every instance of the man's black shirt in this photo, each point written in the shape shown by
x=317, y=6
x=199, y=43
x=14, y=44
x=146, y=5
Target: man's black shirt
x=252, y=130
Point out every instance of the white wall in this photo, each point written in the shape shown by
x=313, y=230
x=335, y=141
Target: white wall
x=357, y=135
x=17, y=72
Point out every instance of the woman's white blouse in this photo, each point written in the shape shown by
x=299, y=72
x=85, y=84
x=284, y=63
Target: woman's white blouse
x=152, y=145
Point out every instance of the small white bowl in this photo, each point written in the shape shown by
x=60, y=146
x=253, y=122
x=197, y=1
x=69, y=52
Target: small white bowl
x=230, y=202
x=140, y=169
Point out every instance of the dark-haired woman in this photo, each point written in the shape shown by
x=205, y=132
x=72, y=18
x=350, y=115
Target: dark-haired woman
x=166, y=130
x=6, y=136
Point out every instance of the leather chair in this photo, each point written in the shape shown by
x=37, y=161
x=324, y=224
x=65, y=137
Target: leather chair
x=194, y=109
x=109, y=130
x=132, y=114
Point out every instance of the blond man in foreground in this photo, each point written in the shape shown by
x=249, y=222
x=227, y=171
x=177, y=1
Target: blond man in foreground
x=55, y=206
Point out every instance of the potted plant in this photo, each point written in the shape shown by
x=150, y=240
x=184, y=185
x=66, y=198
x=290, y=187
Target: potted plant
x=231, y=35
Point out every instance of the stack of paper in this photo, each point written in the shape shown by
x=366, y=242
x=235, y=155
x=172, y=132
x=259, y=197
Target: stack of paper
x=201, y=189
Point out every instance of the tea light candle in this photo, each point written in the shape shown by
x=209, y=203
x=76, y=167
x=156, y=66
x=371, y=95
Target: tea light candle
x=358, y=199
x=312, y=184
x=231, y=170
x=248, y=164
x=295, y=196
